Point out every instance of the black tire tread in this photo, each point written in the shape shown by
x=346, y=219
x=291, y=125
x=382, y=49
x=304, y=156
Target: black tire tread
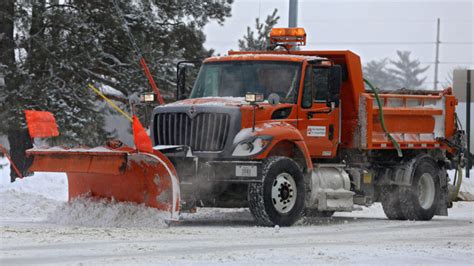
x=256, y=194
x=408, y=200
x=391, y=203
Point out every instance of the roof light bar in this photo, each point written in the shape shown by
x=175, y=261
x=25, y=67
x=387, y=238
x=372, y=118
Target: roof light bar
x=293, y=36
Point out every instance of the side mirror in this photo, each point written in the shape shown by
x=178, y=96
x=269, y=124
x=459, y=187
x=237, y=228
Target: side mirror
x=182, y=90
x=335, y=81
x=273, y=99
x=181, y=84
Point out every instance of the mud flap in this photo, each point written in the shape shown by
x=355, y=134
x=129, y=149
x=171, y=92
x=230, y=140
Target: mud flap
x=444, y=200
x=123, y=175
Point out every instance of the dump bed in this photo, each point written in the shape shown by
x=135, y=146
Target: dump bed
x=414, y=121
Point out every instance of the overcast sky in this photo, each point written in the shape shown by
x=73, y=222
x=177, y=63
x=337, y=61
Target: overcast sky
x=372, y=29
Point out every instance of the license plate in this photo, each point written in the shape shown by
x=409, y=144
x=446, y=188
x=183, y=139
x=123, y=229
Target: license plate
x=246, y=170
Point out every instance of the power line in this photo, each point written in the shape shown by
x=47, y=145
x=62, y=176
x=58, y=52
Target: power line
x=374, y=43
x=389, y=43
x=448, y=63
x=457, y=43
x=397, y=21
x=459, y=62
x=362, y=43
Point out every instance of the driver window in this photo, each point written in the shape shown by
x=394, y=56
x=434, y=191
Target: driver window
x=280, y=80
x=320, y=84
x=316, y=86
x=307, y=99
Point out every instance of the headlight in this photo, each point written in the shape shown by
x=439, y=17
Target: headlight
x=251, y=146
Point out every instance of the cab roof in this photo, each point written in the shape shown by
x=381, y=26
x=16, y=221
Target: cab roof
x=263, y=57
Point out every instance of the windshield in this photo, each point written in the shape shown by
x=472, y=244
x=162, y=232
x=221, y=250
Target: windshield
x=236, y=78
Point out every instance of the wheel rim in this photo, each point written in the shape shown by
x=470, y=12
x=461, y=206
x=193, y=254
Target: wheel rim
x=284, y=193
x=426, y=191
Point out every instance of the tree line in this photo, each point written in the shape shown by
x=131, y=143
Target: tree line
x=51, y=49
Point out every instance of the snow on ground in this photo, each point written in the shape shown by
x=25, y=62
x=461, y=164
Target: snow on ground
x=4, y=171
x=37, y=225
x=215, y=236
x=467, y=185
x=107, y=214
x=49, y=185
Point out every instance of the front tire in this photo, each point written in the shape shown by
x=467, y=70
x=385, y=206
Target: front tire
x=279, y=199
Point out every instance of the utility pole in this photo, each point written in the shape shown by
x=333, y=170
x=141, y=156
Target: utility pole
x=437, y=56
x=293, y=14
x=468, y=122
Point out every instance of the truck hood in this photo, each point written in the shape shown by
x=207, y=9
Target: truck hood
x=231, y=104
x=210, y=101
x=194, y=122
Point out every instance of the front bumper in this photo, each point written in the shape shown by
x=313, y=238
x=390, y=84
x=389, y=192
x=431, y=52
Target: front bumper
x=235, y=171
x=192, y=168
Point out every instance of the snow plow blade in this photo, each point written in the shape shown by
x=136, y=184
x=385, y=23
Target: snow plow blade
x=122, y=174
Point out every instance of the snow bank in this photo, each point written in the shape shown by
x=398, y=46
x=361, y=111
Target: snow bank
x=4, y=171
x=20, y=206
x=467, y=187
x=104, y=213
x=49, y=185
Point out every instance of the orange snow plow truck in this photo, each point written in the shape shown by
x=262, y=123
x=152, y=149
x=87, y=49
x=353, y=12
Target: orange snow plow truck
x=285, y=132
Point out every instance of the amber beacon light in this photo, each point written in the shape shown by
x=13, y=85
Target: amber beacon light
x=293, y=36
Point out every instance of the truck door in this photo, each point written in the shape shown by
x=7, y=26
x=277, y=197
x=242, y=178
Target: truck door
x=318, y=113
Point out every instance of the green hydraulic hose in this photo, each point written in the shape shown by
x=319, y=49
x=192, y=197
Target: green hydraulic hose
x=382, y=121
x=458, y=182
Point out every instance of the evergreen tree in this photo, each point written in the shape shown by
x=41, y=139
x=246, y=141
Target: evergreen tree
x=64, y=43
x=60, y=46
x=406, y=71
x=250, y=42
x=377, y=73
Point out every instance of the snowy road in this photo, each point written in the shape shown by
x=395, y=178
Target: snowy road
x=229, y=236
x=38, y=226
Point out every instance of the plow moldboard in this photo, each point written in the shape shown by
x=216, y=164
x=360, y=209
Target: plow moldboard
x=126, y=176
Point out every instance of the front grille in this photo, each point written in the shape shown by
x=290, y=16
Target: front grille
x=205, y=132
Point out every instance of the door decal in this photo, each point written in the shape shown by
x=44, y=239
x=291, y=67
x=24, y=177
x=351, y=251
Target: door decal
x=316, y=131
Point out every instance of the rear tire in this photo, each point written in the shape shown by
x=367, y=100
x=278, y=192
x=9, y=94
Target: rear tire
x=391, y=203
x=279, y=199
x=420, y=200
